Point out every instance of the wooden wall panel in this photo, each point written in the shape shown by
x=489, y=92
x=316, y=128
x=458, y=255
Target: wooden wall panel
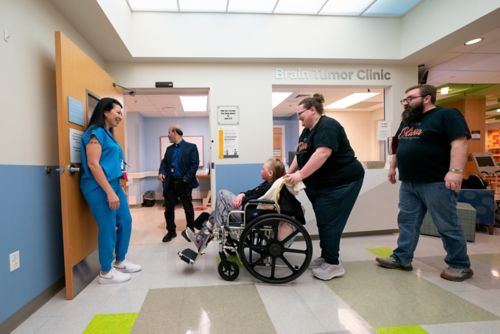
x=473, y=109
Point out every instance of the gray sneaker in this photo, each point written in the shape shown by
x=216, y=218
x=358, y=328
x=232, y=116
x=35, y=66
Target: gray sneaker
x=391, y=263
x=316, y=263
x=457, y=274
x=328, y=271
x=189, y=234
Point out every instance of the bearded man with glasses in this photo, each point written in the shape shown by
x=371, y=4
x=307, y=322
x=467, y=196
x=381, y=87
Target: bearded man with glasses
x=430, y=156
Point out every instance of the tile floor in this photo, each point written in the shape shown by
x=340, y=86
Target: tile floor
x=367, y=299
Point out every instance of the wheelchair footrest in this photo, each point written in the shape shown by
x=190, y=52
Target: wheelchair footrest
x=188, y=255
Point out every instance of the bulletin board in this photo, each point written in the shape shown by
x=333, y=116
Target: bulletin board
x=197, y=140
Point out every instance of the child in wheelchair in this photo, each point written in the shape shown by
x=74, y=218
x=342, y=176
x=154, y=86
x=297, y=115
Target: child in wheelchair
x=226, y=202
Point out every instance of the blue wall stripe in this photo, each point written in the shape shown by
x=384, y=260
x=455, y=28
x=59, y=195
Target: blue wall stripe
x=238, y=178
x=30, y=212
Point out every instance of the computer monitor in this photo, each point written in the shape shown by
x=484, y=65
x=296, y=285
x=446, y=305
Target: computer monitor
x=485, y=163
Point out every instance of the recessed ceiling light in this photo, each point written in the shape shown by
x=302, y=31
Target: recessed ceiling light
x=444, y=90
x=279, y=97
x=474, y=41
x=350, y=100
x=194, y=103
x=498, y=110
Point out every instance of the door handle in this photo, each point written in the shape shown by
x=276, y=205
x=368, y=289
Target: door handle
x=73, y=169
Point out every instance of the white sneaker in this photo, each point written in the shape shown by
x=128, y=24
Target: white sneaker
x=127, y=267
x=328, y=271
x=316, y=263
x=112, y=277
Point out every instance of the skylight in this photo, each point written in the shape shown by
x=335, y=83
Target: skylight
x=390, y=8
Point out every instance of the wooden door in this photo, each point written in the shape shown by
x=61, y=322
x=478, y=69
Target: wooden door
x=278, y=147
x=77, y=75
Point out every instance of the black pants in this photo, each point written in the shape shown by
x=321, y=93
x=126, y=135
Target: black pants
x=182, y=190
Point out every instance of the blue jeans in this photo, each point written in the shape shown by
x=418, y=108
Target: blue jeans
x=332, y=207
x=415, y=199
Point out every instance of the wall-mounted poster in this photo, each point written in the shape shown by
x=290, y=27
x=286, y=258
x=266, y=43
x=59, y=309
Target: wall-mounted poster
x=198, y=140
x=229, y=142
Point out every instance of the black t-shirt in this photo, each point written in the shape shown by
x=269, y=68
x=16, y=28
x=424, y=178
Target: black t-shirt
x=423, y=152
x=341, y=167
x=256, y=192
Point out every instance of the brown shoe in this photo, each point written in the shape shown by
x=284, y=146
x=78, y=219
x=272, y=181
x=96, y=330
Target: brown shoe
x=391, y=263
x=457, y=274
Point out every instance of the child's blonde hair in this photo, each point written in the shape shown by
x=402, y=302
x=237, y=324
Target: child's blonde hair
x=276, y=166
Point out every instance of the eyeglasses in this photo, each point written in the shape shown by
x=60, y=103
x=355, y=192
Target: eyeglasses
x=301, y=112
x=409, y=99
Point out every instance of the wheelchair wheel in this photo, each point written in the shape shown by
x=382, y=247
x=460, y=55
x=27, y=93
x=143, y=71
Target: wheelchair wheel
x=228, y=270
x=268, y=249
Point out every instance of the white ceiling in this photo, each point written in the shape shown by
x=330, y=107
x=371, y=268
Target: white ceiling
x=165, y=102
x=476, y=64
x=447, y=60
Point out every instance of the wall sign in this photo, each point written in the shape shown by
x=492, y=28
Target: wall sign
x=75, y=111
x=362, y=74
x=228, y=115
x=75, y=141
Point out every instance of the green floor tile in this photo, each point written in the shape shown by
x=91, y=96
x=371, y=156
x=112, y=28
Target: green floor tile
x=224, y=309
x=380, y=252
x=121, y=323
x=402, y=330
x=398, y=298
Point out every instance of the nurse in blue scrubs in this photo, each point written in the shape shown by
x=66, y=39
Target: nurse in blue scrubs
x=102, y=164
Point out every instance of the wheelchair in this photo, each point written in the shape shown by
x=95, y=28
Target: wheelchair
x=272, y=246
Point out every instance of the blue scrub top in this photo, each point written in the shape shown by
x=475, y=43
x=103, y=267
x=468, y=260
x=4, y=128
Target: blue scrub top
x=111, y=158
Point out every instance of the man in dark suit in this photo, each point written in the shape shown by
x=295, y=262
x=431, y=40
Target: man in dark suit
x=178, y=175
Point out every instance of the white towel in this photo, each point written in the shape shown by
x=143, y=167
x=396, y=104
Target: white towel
x=274, y=191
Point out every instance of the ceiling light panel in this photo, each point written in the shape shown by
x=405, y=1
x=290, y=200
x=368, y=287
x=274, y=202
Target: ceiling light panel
x=350, y=100
x=253, y=6
x=202, y=5
x=279, y=97
x=390, y=7
x=345, y=7
x=474, y=41
x=310, y=7
x=153, y=5
x=192, y=103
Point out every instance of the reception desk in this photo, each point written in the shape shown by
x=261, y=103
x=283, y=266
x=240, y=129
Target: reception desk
x=149, y=179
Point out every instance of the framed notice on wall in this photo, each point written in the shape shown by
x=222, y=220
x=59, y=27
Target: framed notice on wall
x=197, y=140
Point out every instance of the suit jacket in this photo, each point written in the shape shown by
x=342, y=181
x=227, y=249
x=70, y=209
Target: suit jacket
x=188, y=164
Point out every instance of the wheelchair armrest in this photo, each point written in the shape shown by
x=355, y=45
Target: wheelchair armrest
x=261, y=201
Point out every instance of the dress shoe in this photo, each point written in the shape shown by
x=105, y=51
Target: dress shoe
x=168, y=237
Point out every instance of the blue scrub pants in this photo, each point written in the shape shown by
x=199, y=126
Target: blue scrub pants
x=114, y=225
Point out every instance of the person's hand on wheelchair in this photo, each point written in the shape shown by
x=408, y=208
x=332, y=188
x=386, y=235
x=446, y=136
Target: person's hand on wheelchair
x=238, y=200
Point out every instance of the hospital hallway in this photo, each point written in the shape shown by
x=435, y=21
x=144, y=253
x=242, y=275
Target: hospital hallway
x=170, y=296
